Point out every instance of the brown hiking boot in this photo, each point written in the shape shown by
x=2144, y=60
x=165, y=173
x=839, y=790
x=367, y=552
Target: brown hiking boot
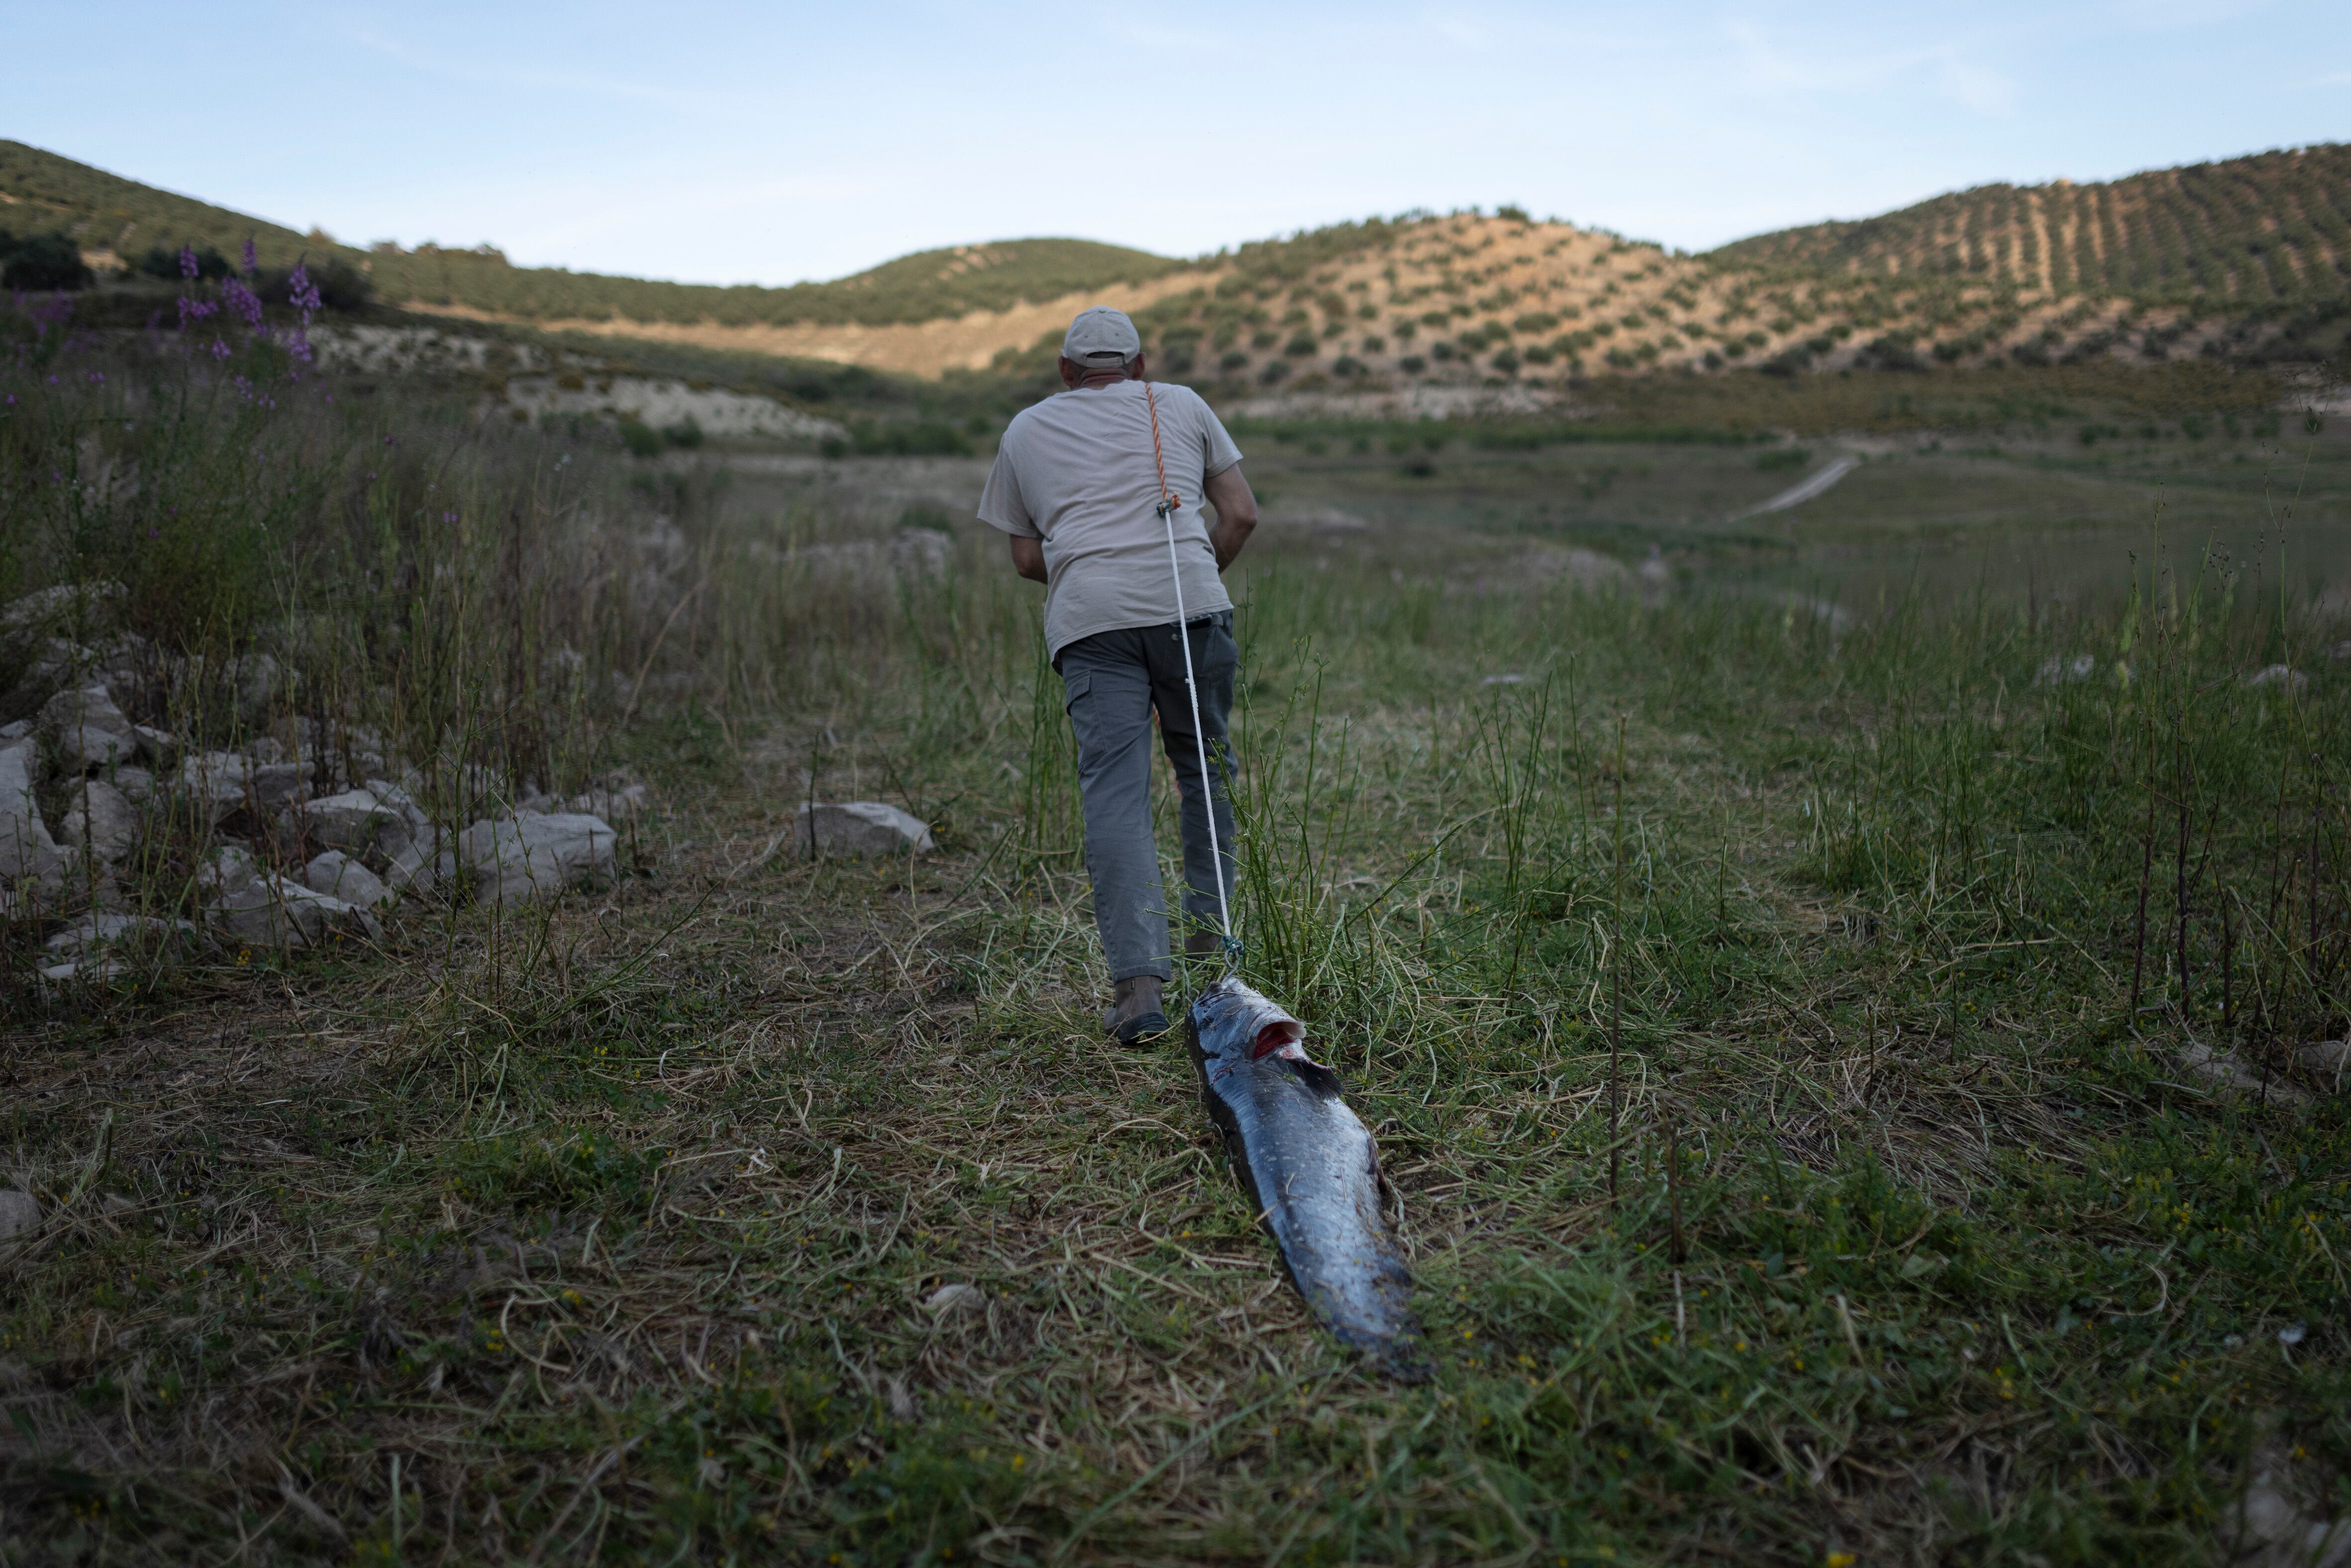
x=1134, y=1013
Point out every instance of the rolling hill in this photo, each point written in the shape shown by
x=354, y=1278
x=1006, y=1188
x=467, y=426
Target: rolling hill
x=2239, y=261
x=2248, y=231
x=117, y=220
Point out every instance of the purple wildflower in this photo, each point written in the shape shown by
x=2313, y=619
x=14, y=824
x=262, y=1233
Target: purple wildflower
x=220, y=349
x=243, y=301
x=300, y=292
x=188, y=262
x=251, y=264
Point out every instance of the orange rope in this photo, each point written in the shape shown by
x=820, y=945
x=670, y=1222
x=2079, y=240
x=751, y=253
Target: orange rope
x=1168, y=498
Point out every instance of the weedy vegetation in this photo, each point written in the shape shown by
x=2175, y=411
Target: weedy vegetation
x=1852, y=1084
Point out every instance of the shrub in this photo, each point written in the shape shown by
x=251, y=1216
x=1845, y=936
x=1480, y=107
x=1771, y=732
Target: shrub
x=1233, y=362
x=924, y=438
x=1347, y=365
x=1264, y=339
x=1441, y=350
x=1507, y=362
x=640, y=437
x=1274, y=370
x=1513, y=212
x=1298, y=346
x=1539, y=355
x=1411, y=364
x=161, y=263
x=687, y=433
x=1406, y=331
x=1375, y=345
x=340, y=286
x=42, y=262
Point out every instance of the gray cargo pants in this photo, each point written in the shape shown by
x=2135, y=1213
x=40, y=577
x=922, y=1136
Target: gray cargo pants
x=1112, y=682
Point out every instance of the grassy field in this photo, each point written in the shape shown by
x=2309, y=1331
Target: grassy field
x=1953, y=1188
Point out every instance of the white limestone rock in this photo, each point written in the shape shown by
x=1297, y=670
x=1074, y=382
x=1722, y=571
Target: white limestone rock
x=231, y=869
x=524, y=857
x=862, y=828
x=615, y=800
x=338, y=875
x=102, y=819
x=20, y=1214
x=216, y=783
x=95, y=934
x=27, y=854
x=272, y=911
x=353, y=822
x=88, y=730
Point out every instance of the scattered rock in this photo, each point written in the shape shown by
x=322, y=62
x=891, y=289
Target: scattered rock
x=338, y=875
x=137, y=784
x=69, y=605
x=2271, y=1531
x=56, y=663
x=255, y=681
x=956, y=1299
x=230, y=870
x=2331, y=1058
x=2284, y=676
x=416, y=868
x=614, y=800
x=271, y=911
x=27, y=850
x=1509, y=678
x=17, y=729
x=155, y=745
x=2057, y=672
x=2224, y=1070
x=277, y=784
x=102, y=820
x=351, y=822
x=88, y=729
x=96, y=932
x=20, y=1215
x=216, y=783
x=862, y=828
x=525, y=856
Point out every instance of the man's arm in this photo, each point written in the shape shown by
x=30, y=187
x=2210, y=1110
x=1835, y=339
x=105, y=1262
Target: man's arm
x=1027, y=557
x=1236, y=504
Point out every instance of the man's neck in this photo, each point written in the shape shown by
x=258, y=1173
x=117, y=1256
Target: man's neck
x=1100, y=379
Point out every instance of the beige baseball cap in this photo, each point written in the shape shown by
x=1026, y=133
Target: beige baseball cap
x=1100, y=336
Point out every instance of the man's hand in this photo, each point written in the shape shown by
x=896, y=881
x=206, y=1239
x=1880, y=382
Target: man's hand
x=1235, y=506
x=1027, y=557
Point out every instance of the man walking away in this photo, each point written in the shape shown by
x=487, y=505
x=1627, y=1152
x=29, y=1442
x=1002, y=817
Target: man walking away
x=1077, y=486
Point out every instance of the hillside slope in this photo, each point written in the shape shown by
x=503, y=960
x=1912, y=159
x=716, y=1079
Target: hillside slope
x=2248, y=231
x=116, y=220
x=2243, y=261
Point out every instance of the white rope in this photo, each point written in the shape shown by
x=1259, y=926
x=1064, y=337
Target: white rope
x=1167, y=505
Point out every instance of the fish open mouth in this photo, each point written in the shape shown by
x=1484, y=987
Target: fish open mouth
x=1280, y=1032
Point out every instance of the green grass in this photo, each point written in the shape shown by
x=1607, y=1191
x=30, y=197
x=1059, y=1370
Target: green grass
x=610, y=1236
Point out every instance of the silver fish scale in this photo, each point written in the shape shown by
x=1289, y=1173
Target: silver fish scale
x=1311, y=1169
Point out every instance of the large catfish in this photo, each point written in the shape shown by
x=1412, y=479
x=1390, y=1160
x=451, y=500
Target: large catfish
x=1310, y=1167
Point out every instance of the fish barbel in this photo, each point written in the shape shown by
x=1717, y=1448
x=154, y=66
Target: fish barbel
x=1311, y=1169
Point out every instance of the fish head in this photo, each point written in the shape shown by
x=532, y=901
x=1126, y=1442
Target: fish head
x=1233, y=1023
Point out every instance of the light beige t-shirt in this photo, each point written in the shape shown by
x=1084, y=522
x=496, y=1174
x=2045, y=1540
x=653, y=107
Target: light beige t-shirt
x=1076, y=472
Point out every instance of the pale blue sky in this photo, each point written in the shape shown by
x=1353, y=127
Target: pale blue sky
x=734, y=142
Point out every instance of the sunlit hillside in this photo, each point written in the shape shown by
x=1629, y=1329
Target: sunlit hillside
x=2248, y=231
x=2243, y=262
